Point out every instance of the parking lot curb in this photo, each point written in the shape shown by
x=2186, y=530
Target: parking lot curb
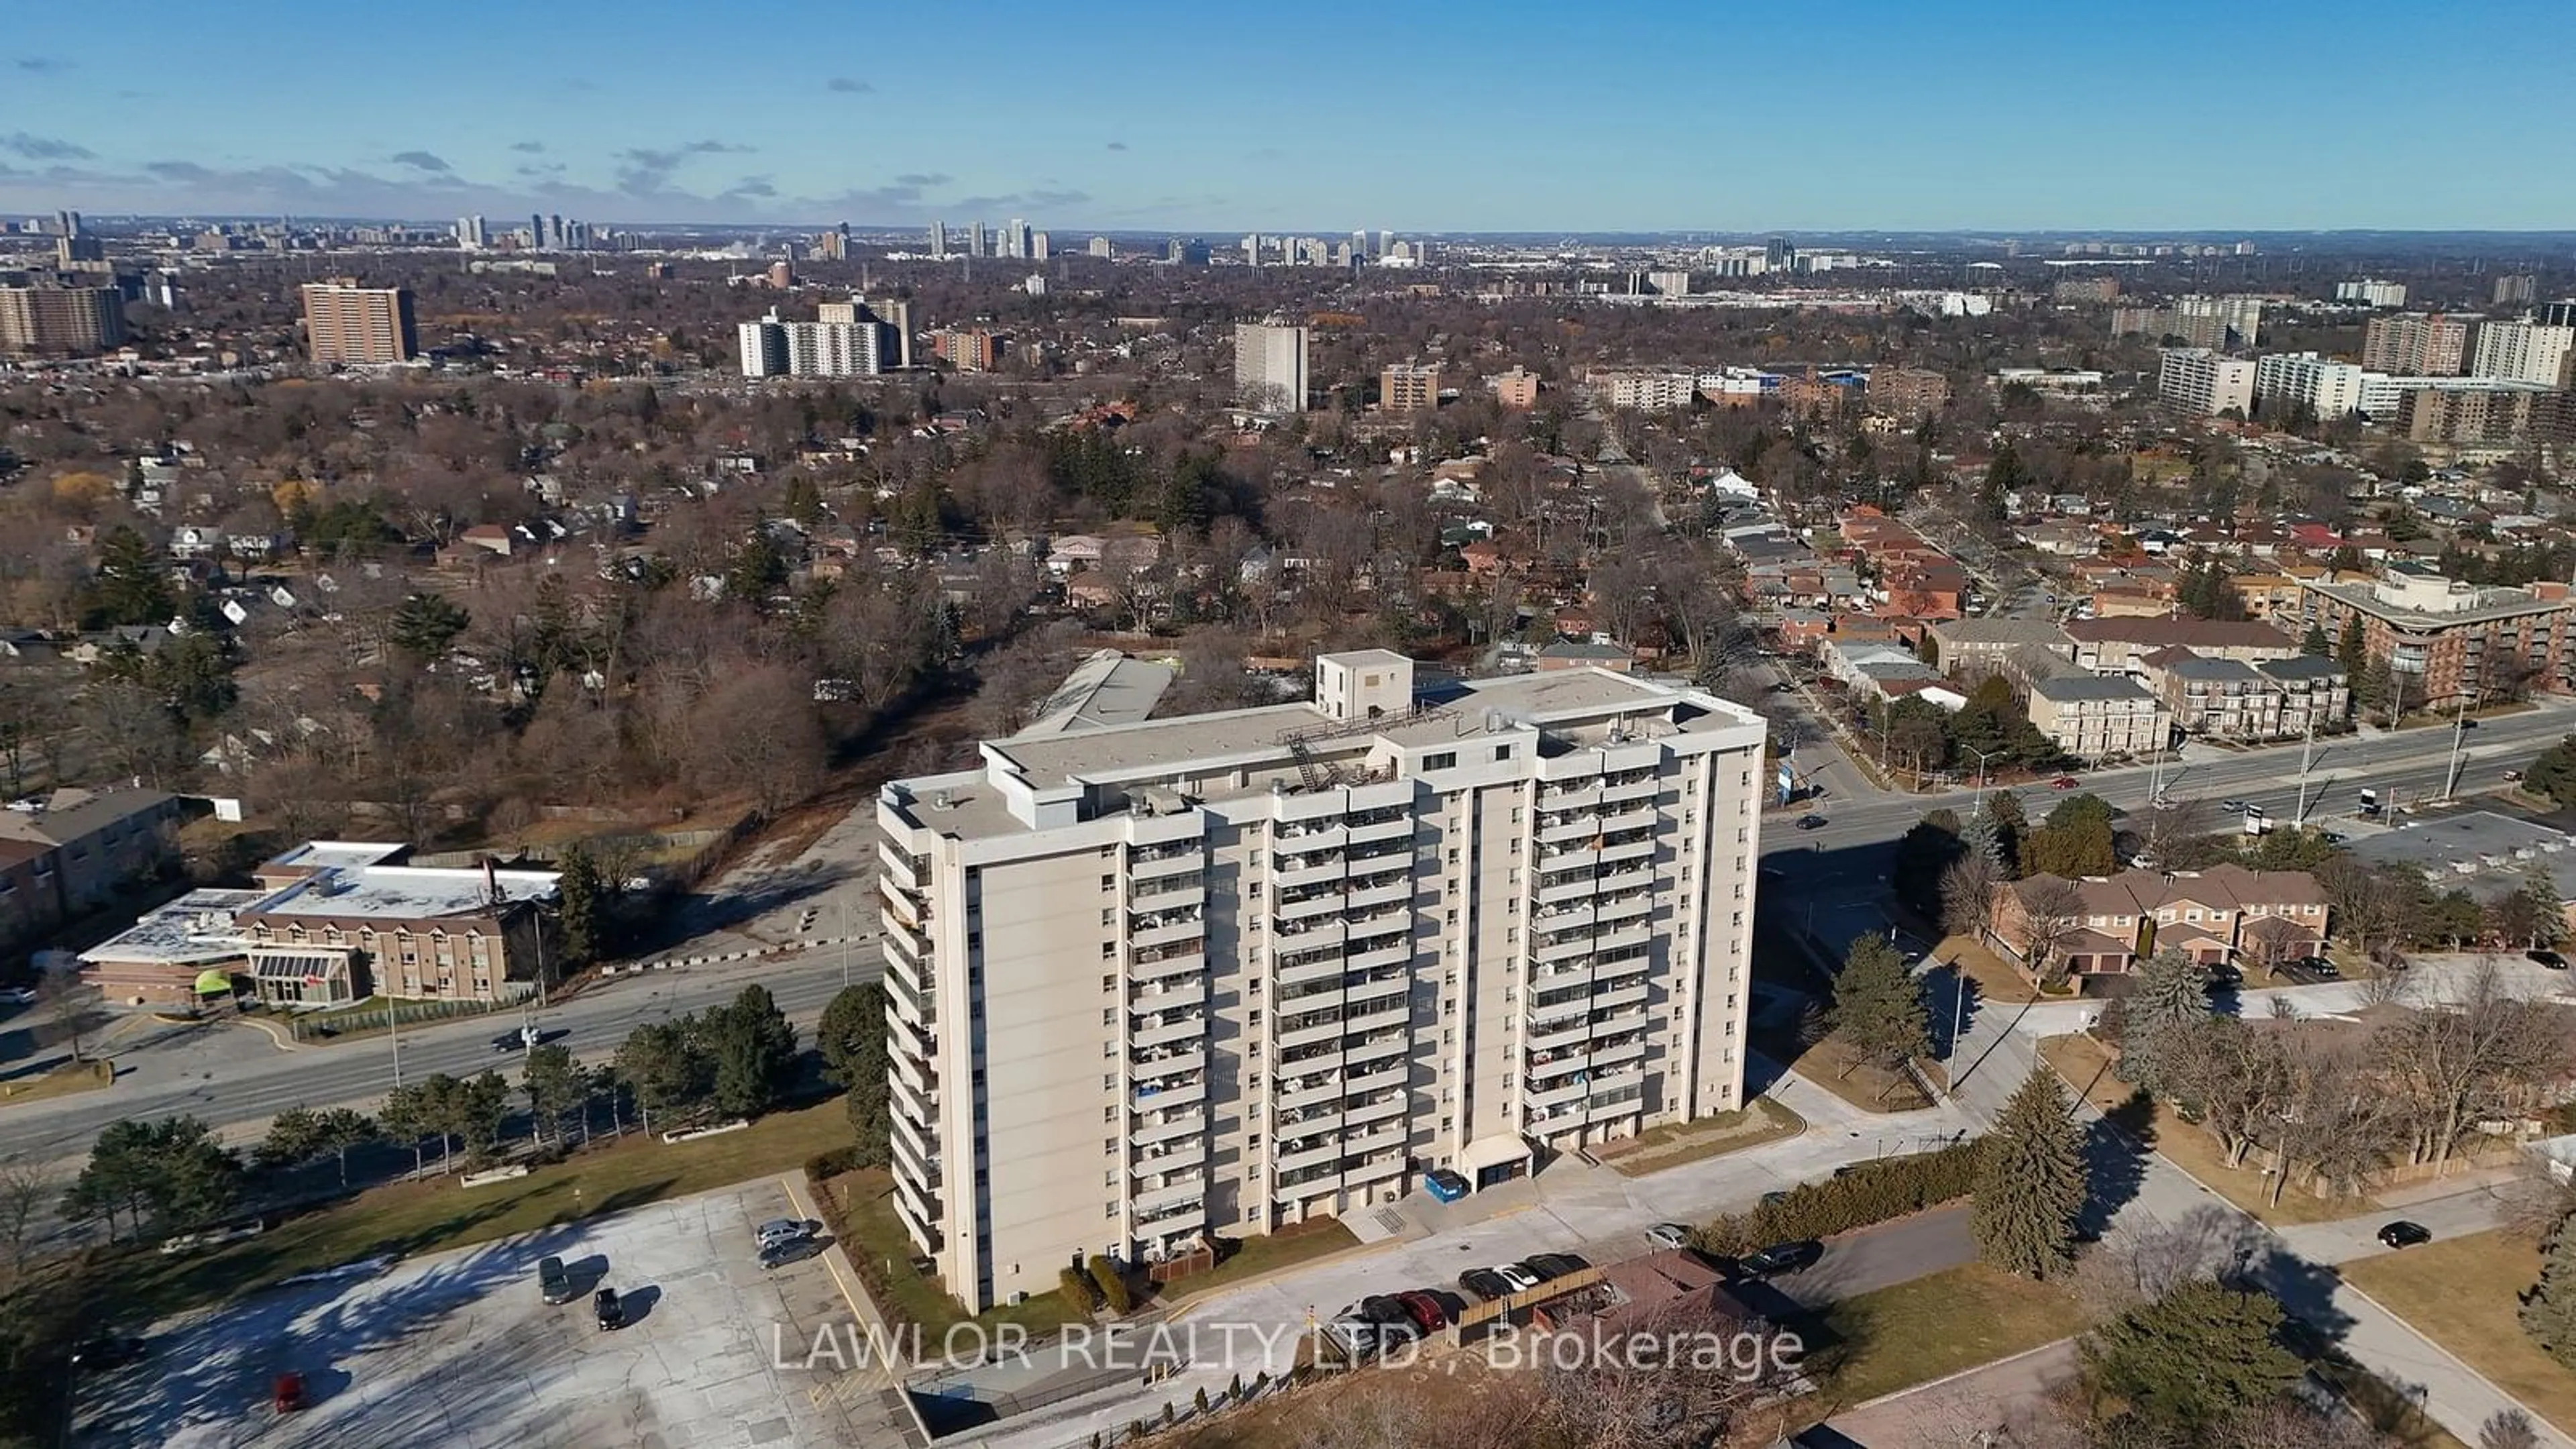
x=718, y=958
x=802, y=1195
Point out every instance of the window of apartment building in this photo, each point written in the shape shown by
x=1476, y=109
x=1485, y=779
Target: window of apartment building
x=1252, y=1142
x=1108, y=983
x=1109, y=882
x=1108, y=950
x=1108, y=1081
x=1109, y=1178
x=1112, y=1210
x=1109, y=1048
x=1256, y=986
x=1110, y=1114
x=1502, y=752
x=1253, y=890
x=1109, y=915
x=1444, y=760
x=1516, y=815
x=1253, y=1017
x=1109, y=1016
x=1453, y=855
x=1252, y=1214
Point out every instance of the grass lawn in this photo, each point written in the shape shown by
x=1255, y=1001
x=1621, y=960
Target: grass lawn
x=62, y=1081
x=1678, y=1142
x=1830, y=1065
x=1957, y=1319
x=2085, y=1063
x=861, y=1206
x=1290, y=1246
x=2461, y=1293
x=423, y=1217
x=2384, y=1408
x=1997, y=982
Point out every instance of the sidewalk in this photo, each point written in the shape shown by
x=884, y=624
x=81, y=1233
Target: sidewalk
x=1958, y=1407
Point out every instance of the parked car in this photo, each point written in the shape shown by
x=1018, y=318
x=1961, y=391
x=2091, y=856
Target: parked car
x=609, y=1309
x=1811, y=822
x=1556, y=1265
x=1425, y=1310
x=1518, y=1276
x=1668, y=1235
x=794, y=1250
x=2550, y=959
x=1485, y=1284
x=1444, y=1185
x=2405, y=1234
x=1379, y=1308
x=2062, y=782
x=553, y=1281
x=1784, y=1258
x=785, y=1230
x=111, y=1351
x=19, y=996
x=286, y=1393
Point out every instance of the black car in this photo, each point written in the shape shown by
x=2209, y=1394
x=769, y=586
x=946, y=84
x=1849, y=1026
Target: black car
x=1784, y=1258
x=508, y=1042
x=1379, y=1308
x=109, y=1352
x=1811, y=822
x=2550, y=959
x=2404, y=1234
x=553, y=1281
x=609, y=1309
x=1485, y=1283
x=1556, y=1265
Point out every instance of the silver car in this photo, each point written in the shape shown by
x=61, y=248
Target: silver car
x=783, y=1230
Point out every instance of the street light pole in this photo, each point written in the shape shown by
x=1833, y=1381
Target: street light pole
x=2459, y=728
x=2299, y=817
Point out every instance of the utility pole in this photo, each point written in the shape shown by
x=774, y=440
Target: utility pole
x=2299, y=817
x=2459, y=729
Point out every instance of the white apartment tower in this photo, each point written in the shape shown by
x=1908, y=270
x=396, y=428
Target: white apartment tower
x=1275, y=962
x=939, y=241
x=2327, y=388
x=1270, y=367
x=2525, y=351
x=2200, y=382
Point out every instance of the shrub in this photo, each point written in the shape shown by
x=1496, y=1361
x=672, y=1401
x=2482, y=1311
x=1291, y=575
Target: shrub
x=1113, y=1284
x=1873, y=1192
x=1078, y=1293
x=825, y=1165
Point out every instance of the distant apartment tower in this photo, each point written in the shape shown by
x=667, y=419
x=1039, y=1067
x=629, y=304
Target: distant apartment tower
x=472, y=234
x=1408, y=388
x=2285, y=381
x=849, y=341
x=2555, y=314
x=1101, y=248
x=61, y=321
x=2102, y=290
x=2505, y=414
x=2372, y=292
x=1907, y=392
x=2416, y=344
x=975, y=239
x=1669, y=284
x=939, y=241
x=1226, y=973
x=1270, y=367
x=968, y=349
x=2525, y=352
x=2519, y=290
x=2200, y=382
x=353, y=326
x=1015, y=239
x=1517, y=388
x=1041, y=247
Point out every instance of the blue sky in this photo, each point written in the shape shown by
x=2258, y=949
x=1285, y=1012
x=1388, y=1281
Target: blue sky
x=1316, y=116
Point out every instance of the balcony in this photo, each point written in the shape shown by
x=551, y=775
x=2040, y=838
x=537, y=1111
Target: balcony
x=1618, y=996
x=1378, y=1170
x=1312, y=1032
x=1398, y=827
x=906, y=872
x=1146, y=930
x=1563, y=918
x=914, y=1074
x=1555, y=862
x=1633, y=878
x=1562, y=946
x=1296, y=873
x=1387, y=1108
x=1385, y=1016
x=1307, y=1089
x=1542, y=1099
x=1311, y=903
x=1560, y=1034
x=1639, y=818
x=1623, y=934
x=1624, y=1052
x=1162, y=860
x=1304, y=837
x=912, y=1005
x=1624, y=790
x=1166, y=1061
x=1328, y=967
x=1396, y=952
x=1381, y=1079
x=1164, y=1093
x=1583, y=792
x=1163, y=1218
x=1611, y=1111
x=1539, y=1065
x=898, y=903
x=1162, y=889
x=1557, y=890
x=913, y=1140
x=1167, y=994
x=1567, y=827
x=1161, y=1127
x=1381, y=1140
x=1171, y=1189
x=1308, y=934
x=1162, y=1031
x=1386, y=1048
x=1377, y=922
x=1161, y=963
x=1307, y=1158
x=1622, y=851
x=1634, y=906
x=1390, y=988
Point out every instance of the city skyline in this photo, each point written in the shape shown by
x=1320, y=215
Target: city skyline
x=1886, y=118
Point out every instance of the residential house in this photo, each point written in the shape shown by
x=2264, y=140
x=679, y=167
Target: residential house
x=2212, y=916
x=1974, y=648
x=2099, y=717
x=1585, y=654
x=66, y=854
x=2113, y=646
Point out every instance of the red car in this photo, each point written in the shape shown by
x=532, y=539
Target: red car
x=287, y=1394
x=1424, y=1309
x=2062, y=782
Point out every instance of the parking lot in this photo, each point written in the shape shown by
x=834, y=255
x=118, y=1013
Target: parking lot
x=460, y=1348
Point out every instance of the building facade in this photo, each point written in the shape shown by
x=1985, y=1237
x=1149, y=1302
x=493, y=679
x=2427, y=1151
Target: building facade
x=1270, y=367
x=2202, y=383
x=2416, y=344
x=61, y=321
x=346, y=325
x=2230, y=699
x=2525, y=351
x=1408, y=388
x=1517, y=388
x=849, y=340
x=2212, y=916
x=1275, y=961
x=2284, y=381
x=2449, y=640
x=2097, y=717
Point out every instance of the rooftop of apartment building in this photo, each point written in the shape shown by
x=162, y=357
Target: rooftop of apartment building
x=1998, y=632
x=404, y=892
x=1235, y=753
x=2416, y=597
x=70, y=813
x=1104, y=690
x=2477, y=843
x=2071, y=688
x=2176, y=629
x=196, y=927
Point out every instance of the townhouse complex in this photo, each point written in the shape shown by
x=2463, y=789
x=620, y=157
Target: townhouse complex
x=1270, y=961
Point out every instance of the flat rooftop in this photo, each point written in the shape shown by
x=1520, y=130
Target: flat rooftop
x=1108, y=688
x=2493, y=604
x=2478, y=842
x=402, y=892
x=196, y=927
x=338, y=854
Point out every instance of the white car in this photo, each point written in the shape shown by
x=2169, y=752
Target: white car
x=1521, y=1279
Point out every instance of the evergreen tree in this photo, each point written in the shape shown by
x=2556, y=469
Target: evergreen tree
x=758, y=568
x=1878, y=1005
x=2171, y=996
x=578, y=889
x=2553, y=773
x=2353, y=650
x=2549, y=1306
x=425, y=624
x=2181, y=1363
x=132, y=585
x=2030, y=1181
x=2314, y=642
x=2548, y=920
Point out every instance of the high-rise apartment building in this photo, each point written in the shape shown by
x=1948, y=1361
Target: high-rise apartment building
x=2555, y=314
x=1101, y=248
x=939, y=241
x=968, y=349
x=975, y=240
x=1517, y=388
x=1669, y=284
x=349, y=325
x=2372, y=292
x=2284, y=381
x=1276, y=960
x=2200, y=382
x=2416, y=344
x=61, y=321
x=1270, y=367
x=848, y=340
x=472, y=234
x=2525, y=352
x=1015, y=239
x=2519, y=290
x=1408, y=387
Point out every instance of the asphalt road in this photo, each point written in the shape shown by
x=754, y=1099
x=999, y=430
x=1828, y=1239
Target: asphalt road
x=358, y=1073
x=1884, y=1256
